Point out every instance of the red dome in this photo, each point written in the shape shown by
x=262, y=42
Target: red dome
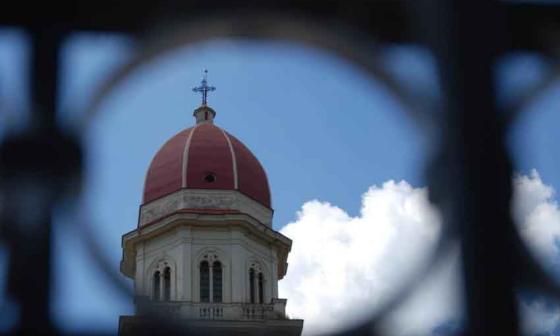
x=206, y=157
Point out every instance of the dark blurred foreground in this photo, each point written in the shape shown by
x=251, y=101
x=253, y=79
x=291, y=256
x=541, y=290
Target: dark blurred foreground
x=469, y=175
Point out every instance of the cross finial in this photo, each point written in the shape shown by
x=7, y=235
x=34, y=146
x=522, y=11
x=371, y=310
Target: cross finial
x=204, y=88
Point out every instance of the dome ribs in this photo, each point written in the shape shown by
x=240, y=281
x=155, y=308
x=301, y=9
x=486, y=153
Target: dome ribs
x=251, y=175
x=206, y=157
x=165, y=173
x=209, y=153
x=234, y=161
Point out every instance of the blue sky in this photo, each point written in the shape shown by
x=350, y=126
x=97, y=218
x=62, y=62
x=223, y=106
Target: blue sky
x=321, y=128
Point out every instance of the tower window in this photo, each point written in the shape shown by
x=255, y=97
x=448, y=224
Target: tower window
x=155, y=286
x=204, y=282
x=217, y=282
x=167, y=284
x=210, y=178
x=161, y=281
x=211, y=279
x=252, y=285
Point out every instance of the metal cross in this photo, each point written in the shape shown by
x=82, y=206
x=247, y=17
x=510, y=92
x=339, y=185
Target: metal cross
x=204, y=88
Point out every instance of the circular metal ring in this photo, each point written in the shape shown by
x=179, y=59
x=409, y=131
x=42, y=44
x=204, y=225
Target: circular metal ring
x=359, y=50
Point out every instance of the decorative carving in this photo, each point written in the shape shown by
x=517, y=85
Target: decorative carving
x=257, y=265
x=211, y=255
x=204, y=199
x=208, y=201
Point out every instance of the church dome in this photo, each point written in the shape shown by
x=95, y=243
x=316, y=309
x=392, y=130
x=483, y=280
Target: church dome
x=205, y=157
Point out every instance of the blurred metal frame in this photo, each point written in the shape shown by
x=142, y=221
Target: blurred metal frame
x=466, y=37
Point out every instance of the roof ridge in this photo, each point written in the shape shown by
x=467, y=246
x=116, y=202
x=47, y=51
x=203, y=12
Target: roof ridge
x=186, y=157
x=233, y=159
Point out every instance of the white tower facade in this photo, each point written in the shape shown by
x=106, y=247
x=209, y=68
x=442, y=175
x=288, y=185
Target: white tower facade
x=204, y=251
x=217, y=262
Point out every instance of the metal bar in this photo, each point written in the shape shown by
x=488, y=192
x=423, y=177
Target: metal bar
x=530, y=25
x=472, y=177
x=29, y=160
x=477, y=170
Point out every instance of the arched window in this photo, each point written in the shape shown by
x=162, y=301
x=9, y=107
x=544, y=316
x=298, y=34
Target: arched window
x=204, y=282
x=167, y=284
x=217, y=282
x=155, y=286
x=252, y=285
x=211, y=277
x=161, y=280
x=261, y=288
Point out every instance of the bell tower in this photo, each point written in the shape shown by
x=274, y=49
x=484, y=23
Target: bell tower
x=204, y=252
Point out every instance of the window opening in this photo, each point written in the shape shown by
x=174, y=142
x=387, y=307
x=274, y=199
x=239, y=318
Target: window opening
x=155, y=287
x=167, y=284
x=204, y=282
x=210, y=178
x=252, y=285
x=217, y=282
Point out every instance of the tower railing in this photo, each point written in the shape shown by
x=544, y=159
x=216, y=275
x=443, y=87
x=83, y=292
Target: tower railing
x=211, y=312
x=274, y=310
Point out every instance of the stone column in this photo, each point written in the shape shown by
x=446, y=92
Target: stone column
x=139, y=281
x=186, y=280
x=237, y=268
x=161, y=284
x=211, y=281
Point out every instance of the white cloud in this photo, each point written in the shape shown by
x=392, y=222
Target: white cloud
x=342, y=267
x=437, y=301
x=537, y=214
x=539, y=317
x=538, y=218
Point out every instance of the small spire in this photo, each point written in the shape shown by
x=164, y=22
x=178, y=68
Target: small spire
x=204, y=88
x=204, y=114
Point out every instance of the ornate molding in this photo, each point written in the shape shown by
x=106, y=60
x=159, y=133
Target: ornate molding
x=204, y=199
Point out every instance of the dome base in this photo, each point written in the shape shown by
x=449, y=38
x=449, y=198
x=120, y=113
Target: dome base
x=204, y=201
